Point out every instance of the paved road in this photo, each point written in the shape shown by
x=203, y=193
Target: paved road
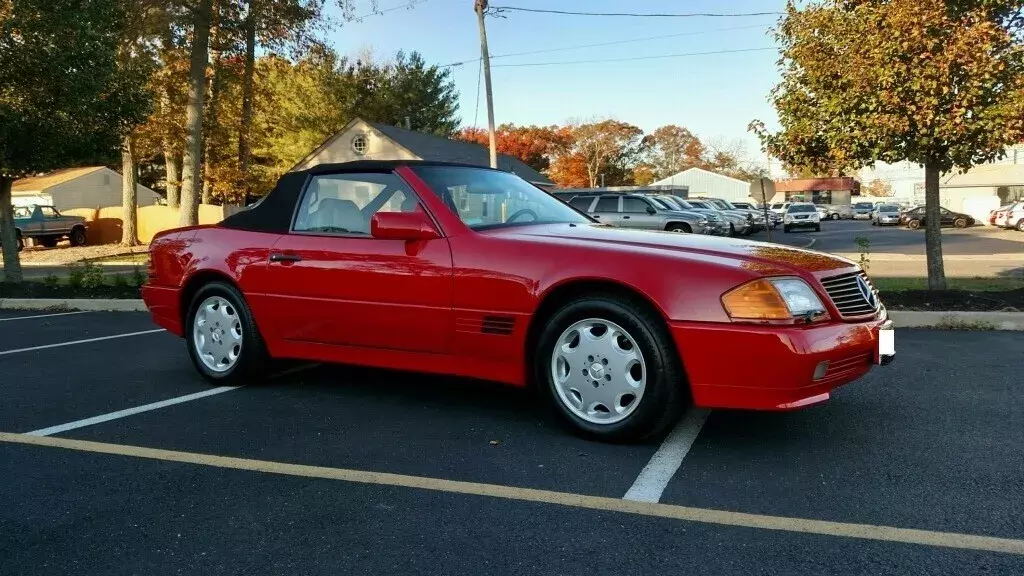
x=841, y=237
x=933, y=442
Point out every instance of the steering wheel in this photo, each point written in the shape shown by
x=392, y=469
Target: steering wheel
x=522, y=212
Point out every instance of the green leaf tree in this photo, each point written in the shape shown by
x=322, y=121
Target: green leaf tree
x=936, y=82
x=62, y=100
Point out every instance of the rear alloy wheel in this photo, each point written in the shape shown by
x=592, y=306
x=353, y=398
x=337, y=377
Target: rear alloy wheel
x=1020, y=225
x=223, y=341
x=683, y=228
x=960, y=223
x=610, y=369
x=914, y=224
x=77, y=236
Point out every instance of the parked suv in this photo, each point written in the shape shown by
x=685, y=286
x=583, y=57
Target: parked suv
x=863, y=210
x=773, y=217
x=636, y=211
x=756, y=218
x=716, y=223
x=835, y=211
x=801, y=215
x=739, y=224
x=886, y=215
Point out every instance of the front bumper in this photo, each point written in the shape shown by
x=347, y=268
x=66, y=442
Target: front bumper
x=888, y=221
x=777, y=372
x=803, y=223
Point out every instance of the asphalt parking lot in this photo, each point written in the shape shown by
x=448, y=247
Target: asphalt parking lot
x=840, y=236
x=135, y=466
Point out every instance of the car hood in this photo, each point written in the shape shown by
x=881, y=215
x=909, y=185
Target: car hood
x=761, y=257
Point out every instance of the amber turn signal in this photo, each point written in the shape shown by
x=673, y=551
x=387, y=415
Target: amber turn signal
x=757, y=300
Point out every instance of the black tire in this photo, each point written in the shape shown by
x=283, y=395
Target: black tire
x=77, y=236
x=679, y=228
x=253, y=360
x=666, y=393
x=49, y=241
x=785, y=229
x=1020, y=225
x=732, y=230
x=960, y=223
x=833, y=216
x=913, y=224
x=817, y=228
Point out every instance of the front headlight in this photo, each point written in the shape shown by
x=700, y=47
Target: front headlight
x=773, y=299
x=788, y=218
x=702, y=221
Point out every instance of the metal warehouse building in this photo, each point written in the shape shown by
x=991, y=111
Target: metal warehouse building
x=702, y=182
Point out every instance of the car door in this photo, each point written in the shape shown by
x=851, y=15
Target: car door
x=946, y=217
x=606, y=209
x=637, y=213
x=334, y=283
x=51, y=221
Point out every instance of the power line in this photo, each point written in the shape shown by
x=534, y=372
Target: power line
x=407, y=6
x=479, y=73
x=612, y=43
x=635, y=14
x=660, y=56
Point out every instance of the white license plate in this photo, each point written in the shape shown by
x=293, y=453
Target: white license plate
x=886, y=343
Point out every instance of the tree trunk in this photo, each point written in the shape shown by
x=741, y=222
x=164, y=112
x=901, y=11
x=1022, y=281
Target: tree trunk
x=172, y=158
x=191, y=186
x=172, y=163
x=8, y=237
x=933, y=228
x=247, y=93
x=212, y=105
x=129, y=194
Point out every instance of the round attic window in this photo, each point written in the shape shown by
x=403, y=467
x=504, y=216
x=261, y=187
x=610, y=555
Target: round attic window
x=360, y=144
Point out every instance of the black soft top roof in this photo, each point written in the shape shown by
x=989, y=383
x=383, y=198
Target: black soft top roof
x=273, y=213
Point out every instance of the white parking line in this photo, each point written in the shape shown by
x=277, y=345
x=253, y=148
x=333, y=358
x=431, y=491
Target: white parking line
x=653, y=479
x=43, y=316
x=128, y=412
x=86, y=341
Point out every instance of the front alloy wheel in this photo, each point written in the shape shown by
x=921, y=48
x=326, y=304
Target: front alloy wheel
x=598, y=371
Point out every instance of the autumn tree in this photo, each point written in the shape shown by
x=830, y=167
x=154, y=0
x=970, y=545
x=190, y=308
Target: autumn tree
x=534, y=145
x=62, y=100
x=674, y=149
x=191, y=173
x=607, y=147
x=935, y=82
x=878, y=188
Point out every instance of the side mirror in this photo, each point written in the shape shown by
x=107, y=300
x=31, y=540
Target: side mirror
x=651, y=210
x=403, y=226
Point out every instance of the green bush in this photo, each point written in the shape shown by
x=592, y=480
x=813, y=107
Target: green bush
x=51, y=281
x=92, y=276
x=138, y=277
x=119, y=281
x=76, y=275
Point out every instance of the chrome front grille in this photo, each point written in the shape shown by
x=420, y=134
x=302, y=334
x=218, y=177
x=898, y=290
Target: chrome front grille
x=848, y=294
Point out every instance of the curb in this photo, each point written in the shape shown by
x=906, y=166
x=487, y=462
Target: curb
x=957, y=320
x=84, y=304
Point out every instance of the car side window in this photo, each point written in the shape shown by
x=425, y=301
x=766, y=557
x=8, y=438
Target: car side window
x=633, y=205
x=582, y=203
x=607, y=204
x=943, y=211
x=48, y=212
x=345, y=203
x=21, y=212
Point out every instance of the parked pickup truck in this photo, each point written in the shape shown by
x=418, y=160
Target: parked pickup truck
x=45, y=225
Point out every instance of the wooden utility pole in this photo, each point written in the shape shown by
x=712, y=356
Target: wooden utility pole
x=481, y=6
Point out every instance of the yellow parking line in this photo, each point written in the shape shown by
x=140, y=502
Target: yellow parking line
x=703, y=515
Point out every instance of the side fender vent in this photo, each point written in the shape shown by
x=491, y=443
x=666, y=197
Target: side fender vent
x=497, y=325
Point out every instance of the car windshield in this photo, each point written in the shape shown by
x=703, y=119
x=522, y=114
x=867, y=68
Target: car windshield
x=661, y=203
x=802, y=208
x=863, y=205
x=776, y=206
x=724, y=204
x=486, y=199
x=888, y=208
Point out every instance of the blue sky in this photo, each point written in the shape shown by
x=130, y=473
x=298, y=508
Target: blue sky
x=715, y=96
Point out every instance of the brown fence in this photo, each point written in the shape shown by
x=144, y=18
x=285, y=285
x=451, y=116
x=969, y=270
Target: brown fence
x=105, y=223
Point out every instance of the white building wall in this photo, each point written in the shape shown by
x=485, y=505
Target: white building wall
x=705, y=183
x=99, y=189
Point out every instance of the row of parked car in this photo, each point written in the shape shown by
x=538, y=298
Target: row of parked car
x=671, y=213
x=1008, y=216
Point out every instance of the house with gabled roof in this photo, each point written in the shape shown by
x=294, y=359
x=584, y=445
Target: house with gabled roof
x=365, y=140
x=84, y=187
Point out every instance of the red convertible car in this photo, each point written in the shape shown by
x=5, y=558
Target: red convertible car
x=474, y=272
